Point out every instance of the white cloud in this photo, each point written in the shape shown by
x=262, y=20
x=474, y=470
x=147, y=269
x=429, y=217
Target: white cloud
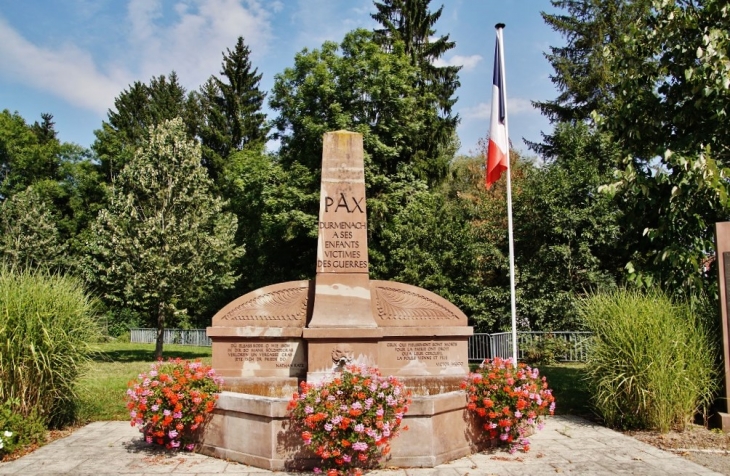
x=467, y=63
x=64, y=71
x=189, y=38
x=193, y=42
x=483, y=110
x=318, y=21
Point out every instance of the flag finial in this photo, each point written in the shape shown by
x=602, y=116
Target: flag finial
x=499, y=25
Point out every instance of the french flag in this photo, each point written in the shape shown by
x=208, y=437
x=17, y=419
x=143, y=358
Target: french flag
x=498, y=150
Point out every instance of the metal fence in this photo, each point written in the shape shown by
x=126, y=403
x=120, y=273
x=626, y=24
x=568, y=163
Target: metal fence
x=481, y=346
x=172, y=336
x=489, y=346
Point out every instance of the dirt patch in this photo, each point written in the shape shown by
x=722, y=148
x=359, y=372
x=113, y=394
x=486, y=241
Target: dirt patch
x=709, y=448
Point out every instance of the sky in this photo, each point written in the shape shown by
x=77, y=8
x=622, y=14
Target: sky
x=71, y=58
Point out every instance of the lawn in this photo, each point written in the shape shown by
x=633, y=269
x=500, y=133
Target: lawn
x=569, y=388
x=102, y=388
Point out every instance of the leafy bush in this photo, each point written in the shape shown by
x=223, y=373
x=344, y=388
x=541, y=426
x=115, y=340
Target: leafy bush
x=509, y=401
x=545, y=350
x=172, y=401
x=652, y=363
x=23, y=430
x=46, y=324
x=348, y=421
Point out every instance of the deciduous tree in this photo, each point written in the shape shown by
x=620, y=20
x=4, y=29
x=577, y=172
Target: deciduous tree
x=164, y=244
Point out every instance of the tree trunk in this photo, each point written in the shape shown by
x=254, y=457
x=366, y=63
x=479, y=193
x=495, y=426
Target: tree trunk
x=160, y=331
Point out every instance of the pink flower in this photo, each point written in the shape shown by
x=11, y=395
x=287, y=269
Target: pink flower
x=360, y=446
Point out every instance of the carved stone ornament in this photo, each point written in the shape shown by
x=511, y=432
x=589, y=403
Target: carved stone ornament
x=342, y=354
x=283, y=304
x=396, y=303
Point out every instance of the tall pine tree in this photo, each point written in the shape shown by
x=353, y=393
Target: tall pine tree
x=584, y=66
x=411, y=22
x=232, y=107
x=137, y=109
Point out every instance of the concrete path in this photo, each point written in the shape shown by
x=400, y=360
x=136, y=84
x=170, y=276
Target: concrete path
x=567, y=445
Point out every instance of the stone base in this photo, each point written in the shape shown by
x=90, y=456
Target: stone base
x=281, y=387
x=254, y=430
x=721, y=420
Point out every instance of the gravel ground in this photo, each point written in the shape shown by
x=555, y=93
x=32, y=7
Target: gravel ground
x=710, y=448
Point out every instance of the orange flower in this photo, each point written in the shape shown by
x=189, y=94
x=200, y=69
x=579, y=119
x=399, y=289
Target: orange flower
x=345, y=443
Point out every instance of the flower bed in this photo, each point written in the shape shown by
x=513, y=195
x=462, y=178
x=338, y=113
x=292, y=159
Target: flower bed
x=172, y=401
x=508, y=402
x=349, y=420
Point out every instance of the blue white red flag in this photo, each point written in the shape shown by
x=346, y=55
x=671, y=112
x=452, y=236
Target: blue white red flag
x=498, y=149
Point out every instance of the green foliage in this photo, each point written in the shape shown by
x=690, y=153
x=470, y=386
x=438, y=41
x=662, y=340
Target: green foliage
x=653, y=77
x=568, y=238
x=163, y=246
x=412, y=23
x=26, y=430
x=277, y=215
x=584, y=72
x=136, y=110
x=28, y=232
x=545, y=350
x=232, y=109
x=24, y=156
x=652, y=363
x=46, y=324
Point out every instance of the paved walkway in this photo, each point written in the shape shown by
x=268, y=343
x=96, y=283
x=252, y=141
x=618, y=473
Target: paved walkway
x=567, y=445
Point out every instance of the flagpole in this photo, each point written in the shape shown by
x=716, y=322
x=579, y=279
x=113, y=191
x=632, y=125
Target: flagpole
x=513, y=305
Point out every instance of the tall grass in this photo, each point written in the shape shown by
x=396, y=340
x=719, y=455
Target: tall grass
x=652, y=364
x=46, y=324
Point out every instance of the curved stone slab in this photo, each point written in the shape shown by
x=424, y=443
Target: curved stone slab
x=397, y=304
x=279, y=305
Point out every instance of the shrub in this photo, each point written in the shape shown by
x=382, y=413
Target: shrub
x=172, y=401
x=46, y=324
x=651, y=365
x=24, y=430
x=545, y=350
x=349, y=420
x=509, y=402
